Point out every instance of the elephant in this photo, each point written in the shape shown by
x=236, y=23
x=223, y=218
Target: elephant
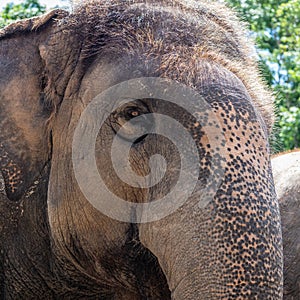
x=286, y=172
x=134, y=156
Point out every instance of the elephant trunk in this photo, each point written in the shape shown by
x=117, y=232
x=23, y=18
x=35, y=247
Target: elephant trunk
x=183, y=246
x=205, y=257
x=225, y=240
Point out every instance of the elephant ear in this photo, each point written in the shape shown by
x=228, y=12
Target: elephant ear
x=25, y=106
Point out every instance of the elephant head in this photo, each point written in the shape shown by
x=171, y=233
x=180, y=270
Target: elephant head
x=89, y=117
x=286, y=172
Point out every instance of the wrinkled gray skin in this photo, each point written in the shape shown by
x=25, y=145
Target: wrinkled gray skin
x=286, y=172
x=54, y=243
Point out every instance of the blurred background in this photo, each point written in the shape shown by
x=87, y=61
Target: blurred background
x=48, y=3
x=275, y=26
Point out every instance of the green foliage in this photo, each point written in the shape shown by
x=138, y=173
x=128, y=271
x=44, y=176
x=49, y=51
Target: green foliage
x=27, y=9
x=275, y=25
x=289, y=124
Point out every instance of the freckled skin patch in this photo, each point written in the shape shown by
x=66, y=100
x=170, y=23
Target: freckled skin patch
x=245, y=213
x=10, y=172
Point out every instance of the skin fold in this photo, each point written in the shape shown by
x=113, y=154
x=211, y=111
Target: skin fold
x=54, y=243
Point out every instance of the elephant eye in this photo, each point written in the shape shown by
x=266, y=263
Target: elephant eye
x=132, y=113
x=132, y=121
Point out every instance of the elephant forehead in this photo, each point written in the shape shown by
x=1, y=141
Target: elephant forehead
x=106, y=72
x=206, y=78
x=177, y=33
